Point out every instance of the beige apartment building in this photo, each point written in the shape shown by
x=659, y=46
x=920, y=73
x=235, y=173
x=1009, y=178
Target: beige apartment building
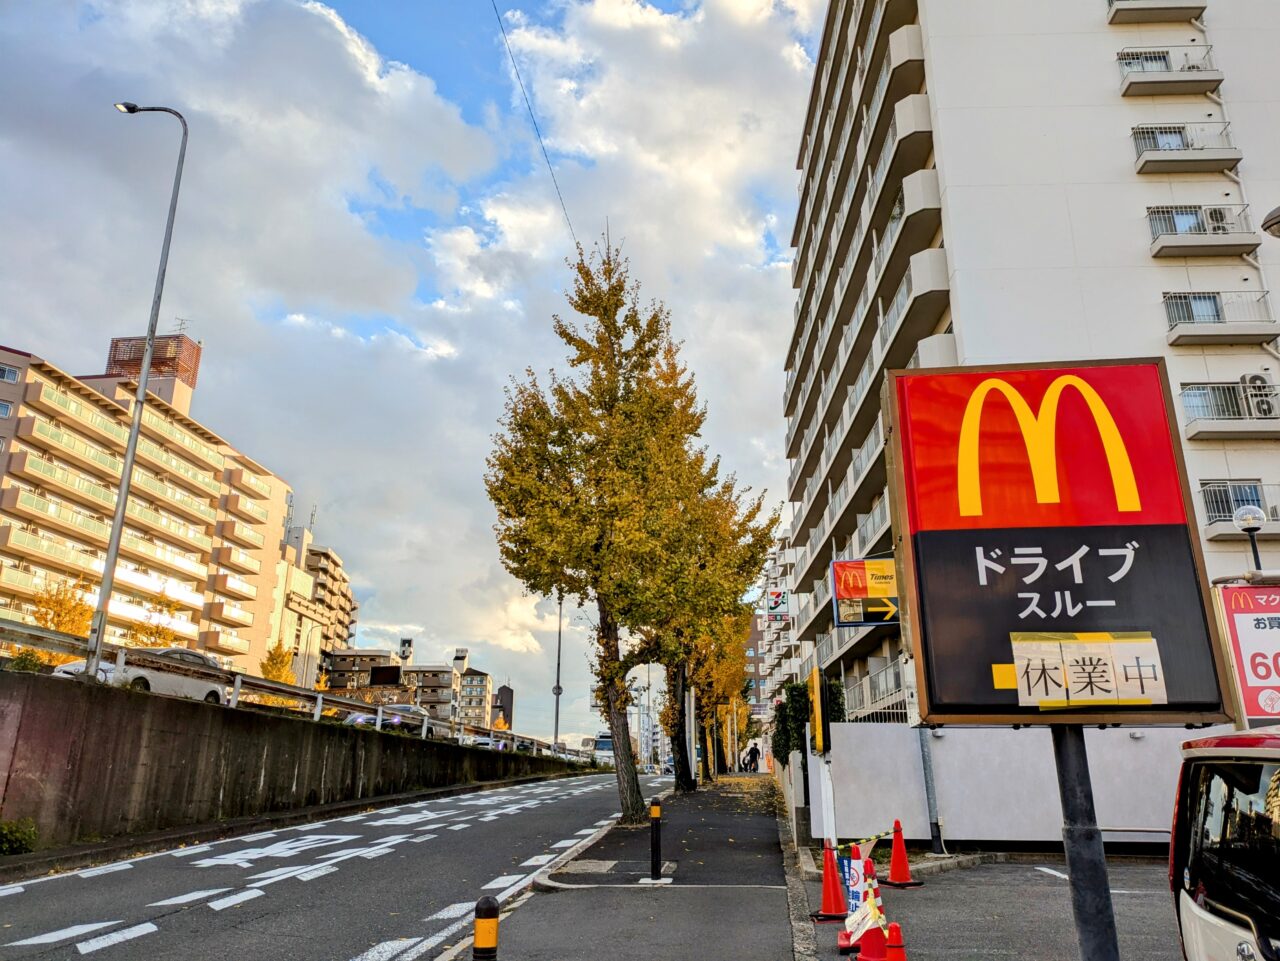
x=475, y=700
x=986, y=181
x=298, y=620
x=331, y=589
x=204, y=523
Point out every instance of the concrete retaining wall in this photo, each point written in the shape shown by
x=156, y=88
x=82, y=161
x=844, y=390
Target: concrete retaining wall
x=995, y=784
x=90, y=762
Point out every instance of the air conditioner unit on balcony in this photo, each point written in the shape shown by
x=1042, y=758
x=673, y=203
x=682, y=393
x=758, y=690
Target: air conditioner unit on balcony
x=1219, y=219
x=1274, y=512
x=1259, y=395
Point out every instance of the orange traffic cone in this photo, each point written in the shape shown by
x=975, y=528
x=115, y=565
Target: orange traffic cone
x=833, y=908
x=895, y=950
x=872, y=945
x=899, y=869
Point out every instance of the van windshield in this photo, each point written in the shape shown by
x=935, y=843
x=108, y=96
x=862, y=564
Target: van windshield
x=1235, y=840
x=604, y=744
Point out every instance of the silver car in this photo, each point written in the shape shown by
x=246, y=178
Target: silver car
x=141, y=678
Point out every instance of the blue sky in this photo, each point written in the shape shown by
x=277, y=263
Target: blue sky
x=369, y=246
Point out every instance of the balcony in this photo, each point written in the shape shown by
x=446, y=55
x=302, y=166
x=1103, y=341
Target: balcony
x=48, y=513
x=158, y=586
x=158, y=425
x=43, y=473
x=1157, y=71
x=228, y=613
x=1221, y=499
x=874, y=526
x=1241, y=411
x=157, y=522
x=167, y=463
x=1155, y=11
x=240, y=532
x=154, y=553
x=1219, y=317
x=69, y=447
x=234, y=586
x=233, y=557
x=61, y=405
x=1185, y=148
x=250, y=483
x=244, y=507
x=123, y=610
x=1196, y=231
x=49, y=552
x=223, y=641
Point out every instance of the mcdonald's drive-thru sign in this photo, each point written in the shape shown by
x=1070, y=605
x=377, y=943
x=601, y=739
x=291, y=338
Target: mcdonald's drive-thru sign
x=1252, y=617
x=1048, y=569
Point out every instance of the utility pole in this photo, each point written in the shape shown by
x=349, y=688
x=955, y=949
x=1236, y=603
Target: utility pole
x=558, y=690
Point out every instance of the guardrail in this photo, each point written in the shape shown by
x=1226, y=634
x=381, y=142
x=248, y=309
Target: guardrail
x=250, y=689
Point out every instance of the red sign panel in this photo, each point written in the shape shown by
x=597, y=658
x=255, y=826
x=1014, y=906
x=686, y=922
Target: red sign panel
x=1253, y=625
x=1046, y=447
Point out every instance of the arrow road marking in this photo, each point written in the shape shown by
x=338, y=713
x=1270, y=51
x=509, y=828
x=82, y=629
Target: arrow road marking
x=115, y=937
x=187, y=898
x=62, y=935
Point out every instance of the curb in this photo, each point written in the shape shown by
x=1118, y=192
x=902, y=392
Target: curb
x=804, y=940
x=24, y=867
x=935, y=865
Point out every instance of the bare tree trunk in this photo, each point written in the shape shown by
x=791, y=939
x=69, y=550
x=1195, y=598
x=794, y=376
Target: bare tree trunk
x=708, y=772
x=722, y=763
x=685, y=783
x=614, y=694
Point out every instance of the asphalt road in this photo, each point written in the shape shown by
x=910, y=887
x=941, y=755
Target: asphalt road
x=394, y=883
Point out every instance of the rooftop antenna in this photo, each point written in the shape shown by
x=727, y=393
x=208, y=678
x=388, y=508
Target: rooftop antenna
x=180, y=325
x=312, y=525
x=288, y=514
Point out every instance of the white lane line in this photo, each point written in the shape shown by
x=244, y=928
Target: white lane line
x=537, y=861
x=187, y=898
x=354, y=817
x=459, y=827
x=451, y=912
x=257, y=837
x=11, y=889
x=63, y=934
x=423, y=837
x=316, y=873
x=434, y=940
x=115, y=937
x=565, y=844
x=232, y=900
x=1056, y=874
x=491, y=817
x=387, y=949
x=584, y=832
x=604, y=822
x=198, y=849
x=503, y=882
x=311, y=827
x=109, y=869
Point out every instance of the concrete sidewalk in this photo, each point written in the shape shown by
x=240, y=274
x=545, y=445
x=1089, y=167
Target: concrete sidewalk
x=727, y=900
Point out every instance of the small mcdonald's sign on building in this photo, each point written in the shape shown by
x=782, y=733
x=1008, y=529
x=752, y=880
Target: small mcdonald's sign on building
x=1047, y=566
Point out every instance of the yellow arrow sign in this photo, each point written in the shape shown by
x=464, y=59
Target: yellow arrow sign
x=889, y=610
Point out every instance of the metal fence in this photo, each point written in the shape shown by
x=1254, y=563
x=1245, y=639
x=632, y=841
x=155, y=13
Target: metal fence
x=1230, y=402
x=1180, y=136
x=247, y=690
x=880, y=696
x=1198, y=220
x=1171, y=59
x=1221, y=499
x=1217, y=307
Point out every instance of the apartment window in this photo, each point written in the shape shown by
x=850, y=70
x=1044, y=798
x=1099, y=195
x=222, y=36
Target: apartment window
x=1222, y=498
x=8, y=374
x=751, y=652
x=1193, y=308
x=1144, y=61
x=1160, y=138
x=6, y=409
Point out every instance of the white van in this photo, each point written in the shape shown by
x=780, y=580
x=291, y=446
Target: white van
x=1224, y=856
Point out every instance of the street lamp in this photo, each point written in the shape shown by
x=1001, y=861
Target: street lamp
x=98, y=629
x=1249, y=519
x=558, y=690
x=1271, y=223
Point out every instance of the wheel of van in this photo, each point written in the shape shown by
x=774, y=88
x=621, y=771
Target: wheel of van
x=213, y=697
x=140, y=684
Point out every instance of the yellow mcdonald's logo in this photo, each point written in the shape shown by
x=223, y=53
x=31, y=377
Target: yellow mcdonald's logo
x=1241, y=599
x=1040, y=435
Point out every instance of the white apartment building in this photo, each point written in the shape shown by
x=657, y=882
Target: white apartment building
x=986, y=181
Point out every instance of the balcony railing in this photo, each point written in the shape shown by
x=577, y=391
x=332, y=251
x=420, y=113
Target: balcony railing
x=1181, y=136
x=1191, y=58
x=1198, y=220
x=872, y=524
x=880, y=696
x=198, y=448
x=1232, y=402
x=1221, y=499
x=1217, y=307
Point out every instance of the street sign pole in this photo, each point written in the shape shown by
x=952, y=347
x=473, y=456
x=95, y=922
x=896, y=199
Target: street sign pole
x=1086, y=861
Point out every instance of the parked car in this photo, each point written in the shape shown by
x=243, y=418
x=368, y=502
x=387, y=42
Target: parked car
x=141, y=678
x=393, y=715
x=1224, y=856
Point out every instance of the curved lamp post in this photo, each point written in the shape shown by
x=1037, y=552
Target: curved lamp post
x=98, y=628
x=1271, y=223
x=1249, y=519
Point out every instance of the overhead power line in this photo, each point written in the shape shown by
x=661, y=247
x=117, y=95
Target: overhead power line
x=525, y=93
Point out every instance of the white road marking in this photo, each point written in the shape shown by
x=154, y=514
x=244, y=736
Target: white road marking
x=434, y=940
x=459, y=827
x=503, y=882
x=491, y=817
x=11, y=889
x=604, y=822
x=245, y=857
x=187, y=898
x=565, y=844
x=115, y=937
x=198, y=849
x=63, y=934
x=260, y=836
x=1056, y=874
x=387, y=949
x=451, y=912
x=234, y=899
x=585, y=832
x=316, y=873
x=311, y=827
x=354, y=817
x=424, y=837
x=109, y=869
x=537, y=861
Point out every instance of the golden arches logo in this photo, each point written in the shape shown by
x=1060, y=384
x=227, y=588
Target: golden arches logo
x=1040, y=436
x=1239, y=599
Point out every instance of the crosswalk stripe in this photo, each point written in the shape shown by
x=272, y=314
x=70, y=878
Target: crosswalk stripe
x=115, y=937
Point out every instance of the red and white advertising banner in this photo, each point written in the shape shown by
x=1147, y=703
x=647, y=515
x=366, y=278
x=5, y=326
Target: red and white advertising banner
x=1253, y=626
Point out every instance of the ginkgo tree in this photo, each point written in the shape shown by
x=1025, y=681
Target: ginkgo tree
x=603, y=494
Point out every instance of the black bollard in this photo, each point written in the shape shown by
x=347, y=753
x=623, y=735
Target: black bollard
x=484, y=947
x=655, y=840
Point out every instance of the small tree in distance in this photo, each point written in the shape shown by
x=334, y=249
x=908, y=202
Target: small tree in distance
x=60, y=606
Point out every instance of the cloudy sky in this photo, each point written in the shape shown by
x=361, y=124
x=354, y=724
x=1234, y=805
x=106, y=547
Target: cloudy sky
x=369, y=245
